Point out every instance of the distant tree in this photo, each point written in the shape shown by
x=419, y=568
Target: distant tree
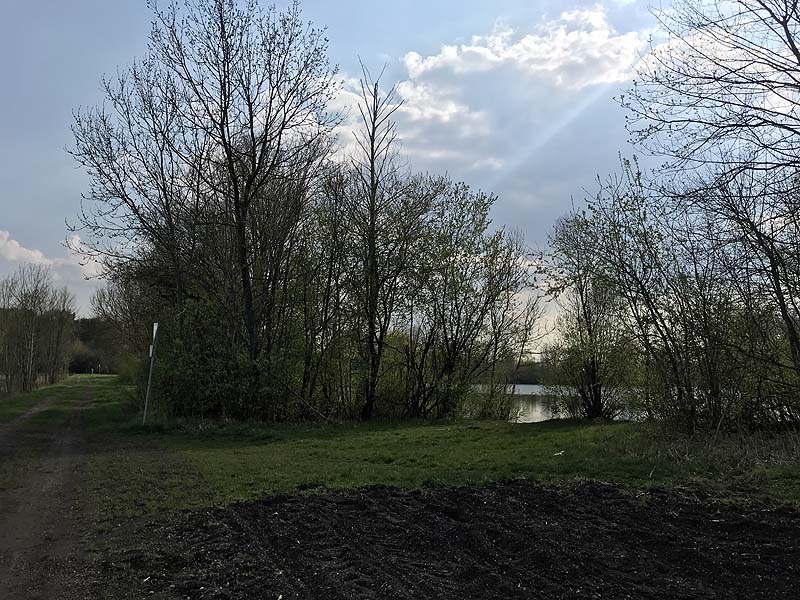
x=99, y=347
x=529, y=372
x=592, y=338
x=35, y=328
x=59, y=330
x=7, y=295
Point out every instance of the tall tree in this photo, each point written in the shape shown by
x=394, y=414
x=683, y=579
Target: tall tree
x=592, y=336
x=200, y=160
x=386, y=212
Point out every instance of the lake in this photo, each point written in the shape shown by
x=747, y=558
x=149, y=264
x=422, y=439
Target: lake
x=531, y=404
x=526, y=389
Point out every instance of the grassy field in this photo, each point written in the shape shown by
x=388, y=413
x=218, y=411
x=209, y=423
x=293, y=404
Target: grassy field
x=136, y=470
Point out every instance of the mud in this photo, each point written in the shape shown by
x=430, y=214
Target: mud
x=507, y=540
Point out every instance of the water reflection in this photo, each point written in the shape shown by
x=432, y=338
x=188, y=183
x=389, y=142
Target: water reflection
x=532, y=409
x=531, y=403
x=534, y=404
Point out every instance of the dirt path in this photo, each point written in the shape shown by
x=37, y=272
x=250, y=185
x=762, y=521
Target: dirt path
x=40, y=516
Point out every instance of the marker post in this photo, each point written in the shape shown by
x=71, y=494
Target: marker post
x=150, y=375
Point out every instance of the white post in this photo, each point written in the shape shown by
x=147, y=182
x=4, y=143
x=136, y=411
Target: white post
x=150, y=375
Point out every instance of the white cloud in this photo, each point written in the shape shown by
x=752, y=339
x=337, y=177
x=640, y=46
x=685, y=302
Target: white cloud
x=422, y=101
x=470, y=104
x=12, y=250
x=577, y=49
x=72, y=269
x=511, y=88
x=524, y=111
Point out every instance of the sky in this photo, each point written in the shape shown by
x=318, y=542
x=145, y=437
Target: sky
x=514, y=97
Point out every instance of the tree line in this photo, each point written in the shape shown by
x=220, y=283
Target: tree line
x=36, y=319
x=679, y=286
x=293, y=276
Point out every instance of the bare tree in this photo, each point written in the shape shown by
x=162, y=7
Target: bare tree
x=721, y=88
x=60, y=315
x=718, y=97
x=219, y=207
x=7, y=296
x=200, y=163
x=386, y=212
x=35, y=327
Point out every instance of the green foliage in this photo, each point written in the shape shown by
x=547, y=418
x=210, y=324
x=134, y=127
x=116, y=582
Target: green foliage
x=590, y=361
x=272, y=266
x=689, y=336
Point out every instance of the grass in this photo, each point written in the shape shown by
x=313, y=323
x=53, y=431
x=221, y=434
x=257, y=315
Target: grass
x=269, y=460
x=16, y=404
x=410, y=455
x=65, y=397
x=135, y=470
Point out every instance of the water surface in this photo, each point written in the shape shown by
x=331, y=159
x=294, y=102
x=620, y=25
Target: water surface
x=531, y=403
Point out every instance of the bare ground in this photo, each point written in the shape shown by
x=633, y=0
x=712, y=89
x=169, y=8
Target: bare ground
x=506, y=540
x=41, y=520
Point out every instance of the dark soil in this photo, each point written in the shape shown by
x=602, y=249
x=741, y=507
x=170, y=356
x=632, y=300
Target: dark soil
x=507, y=540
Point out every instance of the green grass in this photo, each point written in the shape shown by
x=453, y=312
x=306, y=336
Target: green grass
x=135, y=470
x=13, y=405
x=269, y=460
x=63, y=398
x=347, y=456
x=16, y=404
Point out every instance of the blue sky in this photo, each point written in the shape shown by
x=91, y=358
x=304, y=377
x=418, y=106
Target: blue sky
x=514, y=97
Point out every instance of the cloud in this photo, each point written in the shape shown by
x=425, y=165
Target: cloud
x=513, y=89
x=72, y=269
x=11, y=250
x=575, y=50
x=525, y=111
x=423, y=102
